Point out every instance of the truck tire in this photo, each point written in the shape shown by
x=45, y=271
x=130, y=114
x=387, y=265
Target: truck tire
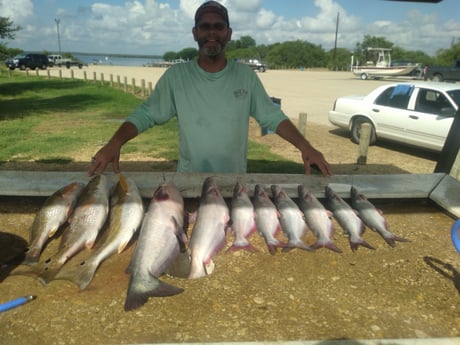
x=261, y=69
x=438, y=77
x=356, y=130
x=364, y=76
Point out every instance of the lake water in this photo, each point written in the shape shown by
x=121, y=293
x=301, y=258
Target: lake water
x=102, y=59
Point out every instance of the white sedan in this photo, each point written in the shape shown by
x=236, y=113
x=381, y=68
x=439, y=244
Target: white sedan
x=415, y=113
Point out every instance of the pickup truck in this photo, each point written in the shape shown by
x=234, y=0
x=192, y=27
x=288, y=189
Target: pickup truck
x=255, y=64
x=441, y=73
x=58, y=60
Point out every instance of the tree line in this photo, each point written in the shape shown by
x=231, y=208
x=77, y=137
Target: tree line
x=289, y=54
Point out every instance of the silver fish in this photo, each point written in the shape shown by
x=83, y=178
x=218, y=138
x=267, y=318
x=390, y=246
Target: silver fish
x=351, y=224
x=85, y=223
x=54, y=212
x=208, y=234
x=267, y=219
x=291, y=219
x=373, y=217
x=160, y=239
x=242, y=218
x=125, y=217
x=317, y=219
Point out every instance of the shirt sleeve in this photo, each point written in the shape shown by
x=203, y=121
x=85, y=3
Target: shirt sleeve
x=158, y=108
x=263, y=109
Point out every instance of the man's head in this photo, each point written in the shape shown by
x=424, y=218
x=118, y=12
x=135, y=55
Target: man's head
x=212, y=7
x=212, y=30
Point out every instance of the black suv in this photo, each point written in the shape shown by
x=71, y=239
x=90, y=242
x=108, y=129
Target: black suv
x=31, y=61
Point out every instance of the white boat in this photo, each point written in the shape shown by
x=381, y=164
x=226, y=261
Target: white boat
x=382, y=68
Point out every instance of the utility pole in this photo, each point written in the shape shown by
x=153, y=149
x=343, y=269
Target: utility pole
x=335, y=43
x=57, y=20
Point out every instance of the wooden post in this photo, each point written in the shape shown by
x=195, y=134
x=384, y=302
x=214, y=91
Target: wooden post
x=60, y=74
x=84, y=76
x=111, y=80
x=36, y=72
x=102, y=78
x=303, y=124
x=143, y=87
x=94, y=76
x=364, y=139
x=150, y=88
x=71, y=74
x=118, y=81
x=125, y=86
x=48, y=73
x=133, y=83
x=10, y=73
x=27, y=72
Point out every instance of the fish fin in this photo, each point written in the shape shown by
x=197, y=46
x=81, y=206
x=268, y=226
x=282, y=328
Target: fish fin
x=123, y=183
x=53, y=231
x=248, y=247
x=138, y=294
x=299, y=244
x=81, y=274
x=48, y=273
x=329, y=245
x=355, y=244
x=122, y=246
x=391, y=239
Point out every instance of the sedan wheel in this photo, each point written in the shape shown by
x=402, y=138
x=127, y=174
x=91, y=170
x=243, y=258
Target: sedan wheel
x=356, y=130
x=438, y=78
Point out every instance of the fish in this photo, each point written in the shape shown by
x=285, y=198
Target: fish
x=160, y=240
x=125, y=217
x=318, y=219
x=52, y=215
x=267, y=219
x=209, y=231
x=85, y=223
x=373, y=217
x=351, y=224
x=291, y=219
x=243, y=222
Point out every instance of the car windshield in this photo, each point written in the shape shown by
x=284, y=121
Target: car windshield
x=20, y=56
x=455, y=94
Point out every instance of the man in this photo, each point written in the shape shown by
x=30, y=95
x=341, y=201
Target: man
x=212, y=99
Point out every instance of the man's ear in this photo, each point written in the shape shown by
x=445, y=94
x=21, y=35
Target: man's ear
x=194, y=34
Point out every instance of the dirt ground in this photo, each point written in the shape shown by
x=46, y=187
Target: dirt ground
x=409, y=291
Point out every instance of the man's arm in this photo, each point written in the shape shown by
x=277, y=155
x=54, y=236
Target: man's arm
x=310, y=155
x=110, y=152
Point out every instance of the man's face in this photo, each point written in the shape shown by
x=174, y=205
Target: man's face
x=212, y=34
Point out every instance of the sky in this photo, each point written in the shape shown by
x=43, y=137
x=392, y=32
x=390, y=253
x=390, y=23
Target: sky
x=153, y=27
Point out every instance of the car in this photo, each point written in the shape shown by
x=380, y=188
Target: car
x=31, y=61
x=415, y=113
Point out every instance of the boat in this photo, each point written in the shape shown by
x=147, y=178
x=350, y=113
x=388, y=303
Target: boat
x=383, y=67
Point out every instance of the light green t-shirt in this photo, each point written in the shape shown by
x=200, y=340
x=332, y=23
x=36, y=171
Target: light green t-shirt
x=213, y=112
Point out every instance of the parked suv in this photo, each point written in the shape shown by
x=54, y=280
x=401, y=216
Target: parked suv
x=31, y=61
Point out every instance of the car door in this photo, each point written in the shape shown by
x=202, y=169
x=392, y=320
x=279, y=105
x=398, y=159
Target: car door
x=430, y=120
x=389, y=112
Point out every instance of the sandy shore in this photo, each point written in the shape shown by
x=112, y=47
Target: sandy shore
x=311, y=92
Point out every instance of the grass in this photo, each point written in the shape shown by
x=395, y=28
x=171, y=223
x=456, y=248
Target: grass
x=49, y=121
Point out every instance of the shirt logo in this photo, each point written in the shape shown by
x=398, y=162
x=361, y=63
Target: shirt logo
x=240, y=93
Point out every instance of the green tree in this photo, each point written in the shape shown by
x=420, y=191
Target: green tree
x=7, y=28
x=447, y=57
x=339, y=60
x=294, y=54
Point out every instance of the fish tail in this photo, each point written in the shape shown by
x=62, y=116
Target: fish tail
x=140, y=291
x=81, y=274
x=248, y=247
x=32, y=257
x=329, y=245
x=391, y=239
x=354, y=244
x=273, y=246
x=48, y=272
x=298, y=244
